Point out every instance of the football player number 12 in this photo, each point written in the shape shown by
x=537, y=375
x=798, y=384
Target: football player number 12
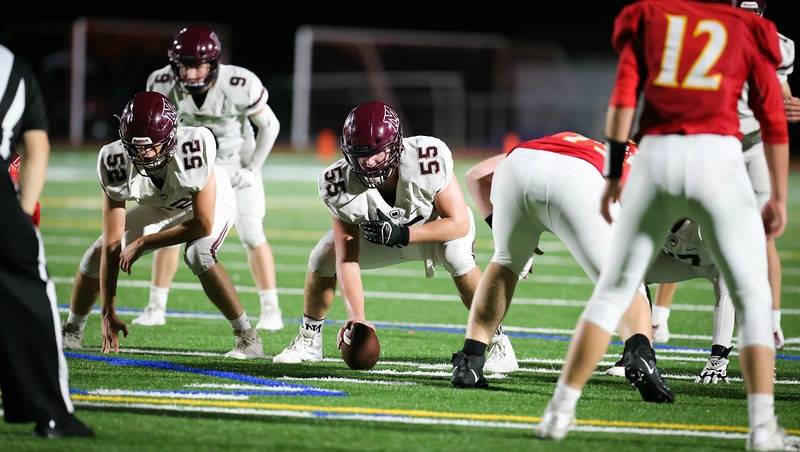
x=698, y=76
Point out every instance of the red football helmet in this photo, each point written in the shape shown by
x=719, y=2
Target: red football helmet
x=756, y=6
x=148, y=130
x=193, y=46
x=370, y=129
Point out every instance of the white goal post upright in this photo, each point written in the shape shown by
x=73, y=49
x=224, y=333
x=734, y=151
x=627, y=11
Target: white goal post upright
x=365, y=42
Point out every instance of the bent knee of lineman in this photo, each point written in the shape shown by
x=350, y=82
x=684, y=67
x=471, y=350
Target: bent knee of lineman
x=251, y=231
x=90, y=262
x=322, y=260
x=200, y=255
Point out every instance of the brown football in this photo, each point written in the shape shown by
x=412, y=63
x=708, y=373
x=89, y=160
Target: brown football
x=360, y=347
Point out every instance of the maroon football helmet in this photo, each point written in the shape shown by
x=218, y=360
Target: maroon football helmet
x=372, y=128
x=147, y=121
x=756, y=6
x=193, y=46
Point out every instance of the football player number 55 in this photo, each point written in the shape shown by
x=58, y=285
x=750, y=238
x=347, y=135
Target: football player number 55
x=698, y=76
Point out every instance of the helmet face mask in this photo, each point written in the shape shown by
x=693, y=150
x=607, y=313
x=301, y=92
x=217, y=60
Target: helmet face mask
x=148, y=132
x=193, y=48
x=372, y=142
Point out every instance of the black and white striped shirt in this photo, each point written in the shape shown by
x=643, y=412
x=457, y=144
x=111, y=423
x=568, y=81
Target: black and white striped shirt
x=21, y=103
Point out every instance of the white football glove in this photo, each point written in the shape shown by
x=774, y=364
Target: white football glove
x=716, y=370
x=243, y=177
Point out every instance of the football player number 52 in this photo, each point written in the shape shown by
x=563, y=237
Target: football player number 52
x=698, y=76
x=192, y=160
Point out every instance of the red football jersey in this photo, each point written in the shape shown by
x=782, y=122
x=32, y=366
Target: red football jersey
x=13, y=172
x=576, y=145
x=691, y=59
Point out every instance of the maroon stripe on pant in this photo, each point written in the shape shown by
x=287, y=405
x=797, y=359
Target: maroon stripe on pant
x=219, y=240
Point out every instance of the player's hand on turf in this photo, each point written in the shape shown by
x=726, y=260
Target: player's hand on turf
x=792, y=106
x=349, y=324
x=611, y=195
x=243, y=177
x=131, y=254
x=715, y=371
x=110, y=327
x=384, y=231
x=774, y=218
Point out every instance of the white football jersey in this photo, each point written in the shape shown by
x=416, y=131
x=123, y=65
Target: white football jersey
x=686, y=243
x=747, y=120
x=236, y=94
x=186, y=173
x=425, y=168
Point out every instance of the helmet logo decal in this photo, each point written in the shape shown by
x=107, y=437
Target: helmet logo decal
x=139, y=141
x=390, y=117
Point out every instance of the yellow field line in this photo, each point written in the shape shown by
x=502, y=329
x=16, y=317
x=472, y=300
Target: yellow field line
x=409, y=413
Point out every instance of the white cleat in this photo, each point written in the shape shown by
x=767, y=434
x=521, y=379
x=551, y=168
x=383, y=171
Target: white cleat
x=555, y=424
x=248, y=345
x=270, y=318
x=71, y=336
x=770, y=436
x=306, y=346
x=500, y=356
x=661, y=334
x=152, y=316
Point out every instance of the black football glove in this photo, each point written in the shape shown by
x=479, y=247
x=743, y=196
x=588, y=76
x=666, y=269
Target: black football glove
x=384, y=231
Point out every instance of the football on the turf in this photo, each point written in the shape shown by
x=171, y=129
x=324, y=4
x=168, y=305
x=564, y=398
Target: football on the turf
x=360, y=347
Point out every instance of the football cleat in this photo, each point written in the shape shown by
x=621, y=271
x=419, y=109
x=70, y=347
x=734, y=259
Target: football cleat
x=468, y=371
x=617, y=370
x=555, y=424
x=153, y=315
x=641, y=372
x=770, y=436
x=248, y=345
x=66, y=426
x=661, y=333
x=270, y=318
x=500, y=355
x=306, y=346
x=72, y=336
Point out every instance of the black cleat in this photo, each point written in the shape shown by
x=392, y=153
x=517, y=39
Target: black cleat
x=63, y=427
x=468, y=371
x=641, y=371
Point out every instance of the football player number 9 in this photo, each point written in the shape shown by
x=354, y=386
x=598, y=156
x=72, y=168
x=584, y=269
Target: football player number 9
x=698, y=76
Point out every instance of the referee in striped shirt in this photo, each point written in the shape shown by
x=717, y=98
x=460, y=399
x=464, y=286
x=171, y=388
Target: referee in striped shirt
x=33, y=371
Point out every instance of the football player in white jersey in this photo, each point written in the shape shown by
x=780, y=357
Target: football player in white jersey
x=683, y=257
x=756, y=164
x=179, y=199
x=393, y=200
x=226, y=99
x=548, y=184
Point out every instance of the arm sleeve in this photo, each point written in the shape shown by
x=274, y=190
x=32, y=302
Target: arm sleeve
x=268, y=128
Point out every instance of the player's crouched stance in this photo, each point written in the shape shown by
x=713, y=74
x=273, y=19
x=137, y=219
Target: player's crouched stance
x=393, y=200
x=179, y=199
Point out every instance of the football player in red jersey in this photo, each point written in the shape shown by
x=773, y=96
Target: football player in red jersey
x=690, y=164
x=550, y=184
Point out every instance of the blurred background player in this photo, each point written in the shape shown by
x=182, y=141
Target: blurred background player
x=689, y=165
x=34, y=379
x=228, y=100
x=756, y=163
x=179, y=199
x=400, y=195
x=549, y=184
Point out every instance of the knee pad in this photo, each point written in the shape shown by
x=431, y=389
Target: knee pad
x=90, y=262
x=251, y=231
x=755, y=323
x=200, y=256
x=322, y=260
x=606, y=310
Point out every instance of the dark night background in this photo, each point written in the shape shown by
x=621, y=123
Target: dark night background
x=263, y=41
